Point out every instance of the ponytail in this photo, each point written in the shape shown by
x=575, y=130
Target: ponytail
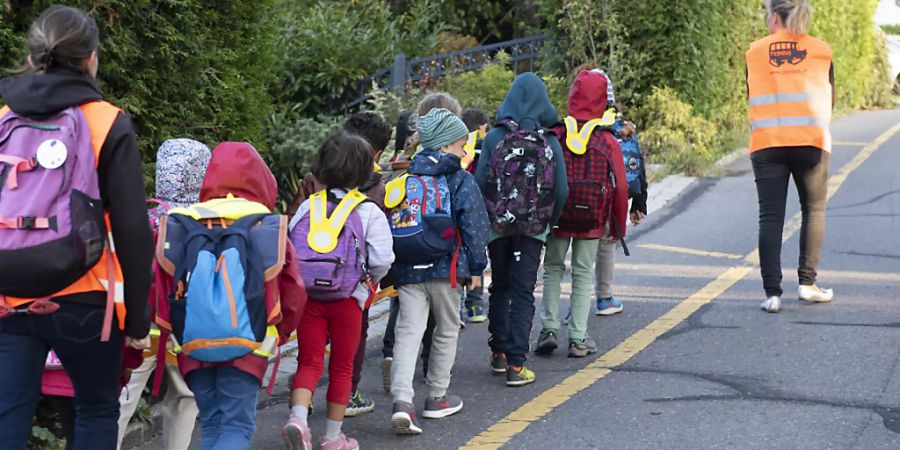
x=61, y=36
x=796, y=15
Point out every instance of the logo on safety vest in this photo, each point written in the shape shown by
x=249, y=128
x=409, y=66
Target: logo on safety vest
x=785, y=52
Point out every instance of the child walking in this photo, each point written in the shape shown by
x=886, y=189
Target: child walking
x=477, y=122
x=440, y=229
x=598, y=200
x=517, y=186
x=335, y=224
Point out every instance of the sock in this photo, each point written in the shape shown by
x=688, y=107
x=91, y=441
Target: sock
x=333, y=429
x=301, y=412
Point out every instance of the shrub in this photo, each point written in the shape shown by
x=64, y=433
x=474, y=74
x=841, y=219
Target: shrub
x=672, y=134
x=197, y=68
x=294, y=141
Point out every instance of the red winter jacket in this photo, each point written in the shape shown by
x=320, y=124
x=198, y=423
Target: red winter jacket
x=588, y=100
x=236, y=168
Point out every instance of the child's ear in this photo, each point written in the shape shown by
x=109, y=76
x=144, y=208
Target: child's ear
x=377, y=155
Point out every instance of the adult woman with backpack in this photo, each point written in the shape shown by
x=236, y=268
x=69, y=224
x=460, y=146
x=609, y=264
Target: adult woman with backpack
x=72, y=185
x=790, y=88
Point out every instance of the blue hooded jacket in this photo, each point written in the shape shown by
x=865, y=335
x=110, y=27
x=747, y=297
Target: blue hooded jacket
x=527, y=104
x=469, y=213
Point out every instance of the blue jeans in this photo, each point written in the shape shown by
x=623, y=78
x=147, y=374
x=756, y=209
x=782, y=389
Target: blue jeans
x=95, y=368
x=226, y=398
x=514, y=267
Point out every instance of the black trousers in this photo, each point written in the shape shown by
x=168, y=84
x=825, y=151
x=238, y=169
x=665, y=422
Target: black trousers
x=772, y=169
x=514, y=267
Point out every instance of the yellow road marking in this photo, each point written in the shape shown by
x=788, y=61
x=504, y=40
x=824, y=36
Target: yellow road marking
x=517, y=421
x=690, y=251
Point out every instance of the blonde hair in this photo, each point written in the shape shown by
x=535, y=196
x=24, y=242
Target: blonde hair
x=796, y=15
x=438, y=100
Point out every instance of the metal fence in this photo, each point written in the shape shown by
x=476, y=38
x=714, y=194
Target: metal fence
x=523, y=54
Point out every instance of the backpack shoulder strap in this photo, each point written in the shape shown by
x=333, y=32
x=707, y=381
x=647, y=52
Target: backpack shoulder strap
x=100, y=117
x=324, y=230
x=510, y=124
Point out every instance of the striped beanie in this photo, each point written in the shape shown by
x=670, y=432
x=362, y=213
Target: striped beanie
x=610, y=95
x=439, y=128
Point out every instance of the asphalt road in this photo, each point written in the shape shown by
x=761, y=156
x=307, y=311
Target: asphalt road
x=726, y=376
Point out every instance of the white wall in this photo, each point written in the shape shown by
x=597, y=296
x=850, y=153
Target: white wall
x=888, y=12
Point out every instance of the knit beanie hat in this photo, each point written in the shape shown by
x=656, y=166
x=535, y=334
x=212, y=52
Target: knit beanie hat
x=439, y=128
x=610, y=95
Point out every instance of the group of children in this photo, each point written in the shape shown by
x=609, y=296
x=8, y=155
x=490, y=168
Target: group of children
x=228, y=280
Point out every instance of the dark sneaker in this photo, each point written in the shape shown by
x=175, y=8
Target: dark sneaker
x=359, y=404
x=438, y=408
x=498, y=363
x=477, y=315
x=386, y=365
x=546, y=343
x=518, y=376
x=582, y=348
x=404, y=419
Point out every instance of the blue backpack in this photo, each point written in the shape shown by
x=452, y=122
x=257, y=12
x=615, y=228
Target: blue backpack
x=634, y=164
x=421, y=219
x=219, y=311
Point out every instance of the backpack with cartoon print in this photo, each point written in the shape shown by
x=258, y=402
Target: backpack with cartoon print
x=421, y=218
x=520, y=189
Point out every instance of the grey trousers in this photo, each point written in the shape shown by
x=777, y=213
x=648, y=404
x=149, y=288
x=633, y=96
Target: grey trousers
x=606, y=265
x=416, y=300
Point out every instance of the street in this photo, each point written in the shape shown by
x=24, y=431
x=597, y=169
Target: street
x=693, y=362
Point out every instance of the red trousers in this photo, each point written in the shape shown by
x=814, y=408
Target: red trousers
x=337, y=321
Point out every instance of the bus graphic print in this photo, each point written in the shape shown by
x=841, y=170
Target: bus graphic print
x=785, y=52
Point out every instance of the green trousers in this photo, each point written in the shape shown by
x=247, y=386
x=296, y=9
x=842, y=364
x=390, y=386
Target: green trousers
x=584, y=253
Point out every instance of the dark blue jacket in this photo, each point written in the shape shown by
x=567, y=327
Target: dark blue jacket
x=527, y=104
x=469, y=213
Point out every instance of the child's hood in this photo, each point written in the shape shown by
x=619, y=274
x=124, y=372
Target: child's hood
x=528, y=104
x=588, y=95
x=236, y=168
x=180, y=168
x=434, y=162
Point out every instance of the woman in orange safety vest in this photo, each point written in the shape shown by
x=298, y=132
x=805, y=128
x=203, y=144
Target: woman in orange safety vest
x=86, y=322
x=790, y=84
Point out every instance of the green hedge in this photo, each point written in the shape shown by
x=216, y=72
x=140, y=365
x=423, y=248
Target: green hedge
x=191, y=68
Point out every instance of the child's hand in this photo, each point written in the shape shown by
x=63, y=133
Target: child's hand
x=137, y=344
x=637, y=217
x=474, y=283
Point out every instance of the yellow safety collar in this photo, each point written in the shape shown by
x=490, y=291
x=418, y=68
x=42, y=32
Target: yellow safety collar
x=577, y=140
x=395, y=191
x=230, y=208
x=324, y=230
x=470, y=150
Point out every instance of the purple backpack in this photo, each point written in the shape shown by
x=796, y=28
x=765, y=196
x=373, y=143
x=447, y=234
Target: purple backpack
x=52, y=227
x=520, y=188
x=333, y=274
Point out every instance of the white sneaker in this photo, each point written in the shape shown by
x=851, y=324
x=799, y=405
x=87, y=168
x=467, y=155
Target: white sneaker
x=815, y=294
x=772, y=304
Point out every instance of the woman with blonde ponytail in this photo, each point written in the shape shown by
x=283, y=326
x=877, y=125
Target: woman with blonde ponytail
x=790, y=86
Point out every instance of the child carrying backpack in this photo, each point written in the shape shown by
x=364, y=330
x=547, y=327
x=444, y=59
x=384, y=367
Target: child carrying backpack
x=343, y=247
x=523, y=177
x=598, y=200
x=180, y=167
x=477, y=122
x=231, y=280
x=440, y=229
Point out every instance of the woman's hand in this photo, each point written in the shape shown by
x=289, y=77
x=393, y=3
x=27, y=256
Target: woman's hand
x=137, y=344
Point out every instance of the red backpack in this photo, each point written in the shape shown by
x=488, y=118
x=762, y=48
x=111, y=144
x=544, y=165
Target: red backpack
x=592, y=184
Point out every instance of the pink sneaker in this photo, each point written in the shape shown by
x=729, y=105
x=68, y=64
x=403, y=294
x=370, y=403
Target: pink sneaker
x=342, y=443
x=296, y=435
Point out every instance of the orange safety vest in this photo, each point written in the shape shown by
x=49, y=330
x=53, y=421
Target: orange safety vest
x=790, y=93
x=100, y=117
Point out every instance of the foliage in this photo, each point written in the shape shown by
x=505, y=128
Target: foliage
x=891, y=28
x=675, y=135
x=295, y=140
x=46, y=433
x=325, y=47
x=489, y=20
x=196, y=68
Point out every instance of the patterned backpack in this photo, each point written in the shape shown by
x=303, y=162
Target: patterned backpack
x=421, y=219
x=520, y=187
x=52, y=226
x=590, y=175
x=331, y=246
x=634, y=163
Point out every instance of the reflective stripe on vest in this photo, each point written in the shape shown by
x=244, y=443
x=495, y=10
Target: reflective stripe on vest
x=789, y=102
x=471, y=141
x=324, y=230
x=100, y=117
